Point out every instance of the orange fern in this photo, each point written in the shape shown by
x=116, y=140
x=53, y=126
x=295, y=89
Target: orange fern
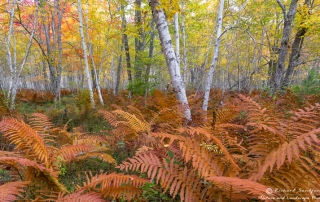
x=115, y=185
x=168, y=174
x=287, y=150
x=79, y=196
x=25, y=138
x=11, y=191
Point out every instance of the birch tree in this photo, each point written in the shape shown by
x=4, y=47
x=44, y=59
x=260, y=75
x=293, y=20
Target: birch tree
x=84, y=48
x=214, y=58
x=170, y=56
x=184, y=38
x=15, y=72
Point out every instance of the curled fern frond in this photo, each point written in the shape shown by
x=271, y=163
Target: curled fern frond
x=25, y=138
x=12, y=190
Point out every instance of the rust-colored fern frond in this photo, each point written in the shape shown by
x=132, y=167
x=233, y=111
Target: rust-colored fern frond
x=133, y=110
x=10, y=191
x=236, y=189
x=110, y=118
x=25, y=138
x=126, y=192
x=102, y=156
x=133, y=122
x=79, y=196
x=70, y=152
x=40, y=122
x=115, y=185
x=287, y=151
x=260, y=119
x=170, y=176
x=209, y=136
x=27, y=163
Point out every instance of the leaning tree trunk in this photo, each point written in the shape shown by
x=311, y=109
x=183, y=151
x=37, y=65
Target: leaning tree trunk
x=170, y=56
x=288, y=19
x=214, y=59
x=88, y=76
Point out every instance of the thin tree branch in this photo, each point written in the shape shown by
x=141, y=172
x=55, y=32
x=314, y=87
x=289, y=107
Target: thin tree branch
x=283, y=8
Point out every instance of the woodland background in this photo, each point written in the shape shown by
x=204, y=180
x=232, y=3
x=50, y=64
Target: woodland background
x=159, y=101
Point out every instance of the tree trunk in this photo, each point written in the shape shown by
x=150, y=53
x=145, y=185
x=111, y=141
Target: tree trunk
x=177, y=38
x=288, y=19
x=184, y=38
x=138, y=42
x=215, y=57
x=151, y=46
x=170, y=56
x=118, y=72
x=125, y=42
x=59, y=71
x=96, y=76
x=15, y=73
x=88, y=76
x=295, y=52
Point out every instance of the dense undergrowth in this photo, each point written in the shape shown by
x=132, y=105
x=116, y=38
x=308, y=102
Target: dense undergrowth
x=140, y=149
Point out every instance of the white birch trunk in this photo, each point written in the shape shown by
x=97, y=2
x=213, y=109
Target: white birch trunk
x=12, y=62
x=88, y=76
x=171, y=59
x=215, y=57
x=184, y=38
x=177, y=38
x=96, y=76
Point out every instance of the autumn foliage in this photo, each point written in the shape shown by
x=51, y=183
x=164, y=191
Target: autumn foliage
x=246, y=145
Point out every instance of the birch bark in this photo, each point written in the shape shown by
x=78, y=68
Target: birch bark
x=215, y=57
x=88, y=76
x=171, y=59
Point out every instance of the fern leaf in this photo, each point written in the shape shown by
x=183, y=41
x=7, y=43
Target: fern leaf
x=216, y=140
x=80, y=197
x=102, y=156
x=115, y=185
x=133, y=122
x=40, y=122
x=168, y=174
x=126, y=192
x=24, y=137
x=110, y=118
x=26, y=162
x=244, y=186
x=285, y=150
x=69, y=153
x=12, y=190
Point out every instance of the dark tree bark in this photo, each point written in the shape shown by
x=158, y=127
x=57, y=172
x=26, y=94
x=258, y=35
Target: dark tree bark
x=288, y=19
x=295, y=53
x=138, y=42
x=152, y=33
x=125, y=43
